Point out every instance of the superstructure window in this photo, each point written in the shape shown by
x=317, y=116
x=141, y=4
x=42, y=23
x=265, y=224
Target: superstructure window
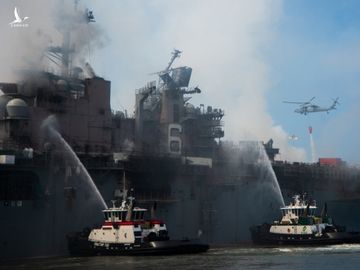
x=174, y=146
x=176, y=112
x=174, y=132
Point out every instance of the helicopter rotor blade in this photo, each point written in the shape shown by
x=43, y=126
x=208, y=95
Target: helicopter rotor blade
x=294, y=102
x=298, y=102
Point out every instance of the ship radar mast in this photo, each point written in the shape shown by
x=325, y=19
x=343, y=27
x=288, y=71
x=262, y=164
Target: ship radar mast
x=175, y=54
x=61, y=56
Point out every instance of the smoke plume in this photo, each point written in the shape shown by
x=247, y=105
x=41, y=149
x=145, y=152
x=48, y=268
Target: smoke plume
x=24, y=47
x=224, y=43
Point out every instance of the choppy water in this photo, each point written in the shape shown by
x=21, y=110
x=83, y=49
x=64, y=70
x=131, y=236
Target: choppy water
x=331, y=257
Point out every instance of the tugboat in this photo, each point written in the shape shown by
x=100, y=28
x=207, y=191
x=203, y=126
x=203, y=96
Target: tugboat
x=300, y=226
x=126, y=232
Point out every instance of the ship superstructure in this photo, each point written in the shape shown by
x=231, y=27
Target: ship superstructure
x=165, y=123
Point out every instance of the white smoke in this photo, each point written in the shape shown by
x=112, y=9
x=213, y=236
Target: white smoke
x=223, y=43
x=24, y=47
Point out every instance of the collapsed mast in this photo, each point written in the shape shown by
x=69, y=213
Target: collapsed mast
x=165, y=121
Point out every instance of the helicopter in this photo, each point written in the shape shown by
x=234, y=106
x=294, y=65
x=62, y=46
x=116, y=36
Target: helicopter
x=309, y=107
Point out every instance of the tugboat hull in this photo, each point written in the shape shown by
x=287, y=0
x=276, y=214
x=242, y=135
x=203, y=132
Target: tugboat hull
x=261, y=235
x=81, y=246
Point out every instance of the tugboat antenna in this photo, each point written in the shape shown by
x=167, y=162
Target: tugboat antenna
x=124, y=192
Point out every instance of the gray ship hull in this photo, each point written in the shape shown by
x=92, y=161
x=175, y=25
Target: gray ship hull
x=217, y=204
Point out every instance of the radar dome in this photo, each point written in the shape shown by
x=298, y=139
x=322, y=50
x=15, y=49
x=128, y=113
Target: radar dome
x=17, y=109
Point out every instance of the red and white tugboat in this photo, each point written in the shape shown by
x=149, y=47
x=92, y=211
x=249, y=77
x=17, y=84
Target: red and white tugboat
x=300, y=226
x=126, y=232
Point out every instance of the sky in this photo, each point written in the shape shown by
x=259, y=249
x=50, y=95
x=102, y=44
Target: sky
x=247, y=57
x=317, y=53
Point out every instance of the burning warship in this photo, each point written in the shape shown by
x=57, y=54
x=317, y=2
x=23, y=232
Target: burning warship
x=63, y=152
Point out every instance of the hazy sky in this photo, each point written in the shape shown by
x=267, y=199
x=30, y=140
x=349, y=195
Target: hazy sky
x=247, y=57
x=317, y=53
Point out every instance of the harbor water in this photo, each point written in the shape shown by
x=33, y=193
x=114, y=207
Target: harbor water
x=328, y=257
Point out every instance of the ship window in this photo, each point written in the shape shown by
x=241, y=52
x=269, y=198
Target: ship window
x=138, y=215
x=176, y=113
x=174, y=146
x=174, y=132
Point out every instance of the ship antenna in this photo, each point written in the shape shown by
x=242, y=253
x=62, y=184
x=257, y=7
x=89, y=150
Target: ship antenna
x=175, y=54
x=124, y=187
x=113, y=203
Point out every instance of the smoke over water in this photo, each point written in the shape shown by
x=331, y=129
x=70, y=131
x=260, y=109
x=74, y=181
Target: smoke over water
x=24, y=47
